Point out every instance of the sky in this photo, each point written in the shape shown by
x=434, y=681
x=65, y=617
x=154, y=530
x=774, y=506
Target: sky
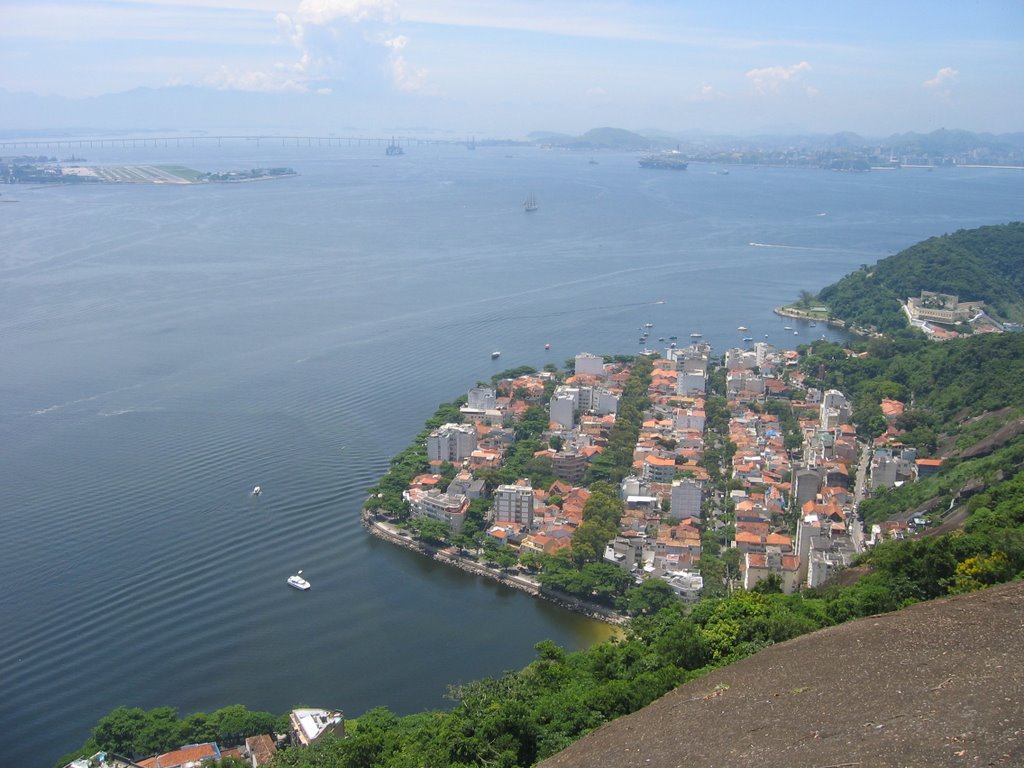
x=509, y=67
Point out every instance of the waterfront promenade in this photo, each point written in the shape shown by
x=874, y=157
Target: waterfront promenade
x=450, y=556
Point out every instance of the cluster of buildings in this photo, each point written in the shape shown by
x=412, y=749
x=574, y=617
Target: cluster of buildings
x=581, y=409
x=935, y=313
x=664, y=497
x=305, y=726
x=776, y=487
x=790, y=507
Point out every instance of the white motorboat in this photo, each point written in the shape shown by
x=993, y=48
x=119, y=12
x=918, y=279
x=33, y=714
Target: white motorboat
x=256, y=491
x=298, y=582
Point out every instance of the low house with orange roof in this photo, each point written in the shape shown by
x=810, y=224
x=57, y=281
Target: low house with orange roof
x=776, y=388
x=543, y=544
x=260, y=749
x=746, y=541
x=758, y=528
x=927, y=467
x=517, y=408
x=757, y=566
x=184, y=757
x=680, y=539
x=585, y=380
x=559, y=488
x=481, y=459
x=573, y=504
x=425, y=482
x=507, y=533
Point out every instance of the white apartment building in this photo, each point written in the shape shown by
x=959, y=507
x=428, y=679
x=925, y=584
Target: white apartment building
x=514, y=504
x=451, y=442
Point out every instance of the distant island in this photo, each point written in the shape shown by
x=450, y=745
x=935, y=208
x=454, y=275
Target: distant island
x=48, y=170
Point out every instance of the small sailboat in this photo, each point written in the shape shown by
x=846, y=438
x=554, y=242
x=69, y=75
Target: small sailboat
x=531, y=204
x=256, y=491
x=298, y=582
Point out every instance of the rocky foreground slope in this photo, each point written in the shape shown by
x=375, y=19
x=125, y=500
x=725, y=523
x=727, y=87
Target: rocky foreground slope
x=940, y=683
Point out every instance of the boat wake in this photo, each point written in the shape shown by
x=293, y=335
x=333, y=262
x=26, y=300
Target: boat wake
x=82, y=400
x=791, y=247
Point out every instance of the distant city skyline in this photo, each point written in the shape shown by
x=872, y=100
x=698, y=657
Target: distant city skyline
x=505, y=69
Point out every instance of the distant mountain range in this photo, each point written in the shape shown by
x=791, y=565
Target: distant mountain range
x=174, y=110
x=941, y=142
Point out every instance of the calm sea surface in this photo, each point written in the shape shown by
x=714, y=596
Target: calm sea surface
x=164, y=349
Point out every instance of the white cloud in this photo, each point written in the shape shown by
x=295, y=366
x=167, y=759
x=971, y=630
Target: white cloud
x=336, y=39
x=942, y=81
x=323, y=12
x=707, y=93
x=771, y=79
x=597, y=91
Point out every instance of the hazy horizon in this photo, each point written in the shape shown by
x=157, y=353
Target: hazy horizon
x=511, y=68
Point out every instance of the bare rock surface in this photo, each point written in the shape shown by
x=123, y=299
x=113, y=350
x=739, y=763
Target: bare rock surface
x=937, y=684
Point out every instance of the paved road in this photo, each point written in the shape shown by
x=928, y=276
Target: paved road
x=859, y=487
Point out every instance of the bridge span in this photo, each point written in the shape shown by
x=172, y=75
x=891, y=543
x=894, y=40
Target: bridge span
x=195, y=141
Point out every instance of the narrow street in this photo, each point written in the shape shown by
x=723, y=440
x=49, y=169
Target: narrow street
x=859, y=488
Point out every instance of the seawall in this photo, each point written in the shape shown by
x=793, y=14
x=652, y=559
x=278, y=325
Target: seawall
x=450, y=556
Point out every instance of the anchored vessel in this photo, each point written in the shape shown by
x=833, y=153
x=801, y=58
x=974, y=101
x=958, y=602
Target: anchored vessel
x=298, y=582
x=672, y=161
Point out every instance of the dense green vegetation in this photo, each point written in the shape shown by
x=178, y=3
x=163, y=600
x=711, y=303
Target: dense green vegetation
x=617, y=459
x=942, y=384
x=135, y=733
x=985, y=264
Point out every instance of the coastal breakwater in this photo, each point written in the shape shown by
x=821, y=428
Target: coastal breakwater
x=450, y=556
x=801, y=314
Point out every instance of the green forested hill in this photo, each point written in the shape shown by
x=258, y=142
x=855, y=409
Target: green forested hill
x=984, y=264
x=942, y=384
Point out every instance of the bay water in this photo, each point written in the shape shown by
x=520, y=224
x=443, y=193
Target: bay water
x=166, y=348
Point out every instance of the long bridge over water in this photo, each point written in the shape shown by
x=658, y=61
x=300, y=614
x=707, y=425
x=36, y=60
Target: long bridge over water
x=205, y=140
